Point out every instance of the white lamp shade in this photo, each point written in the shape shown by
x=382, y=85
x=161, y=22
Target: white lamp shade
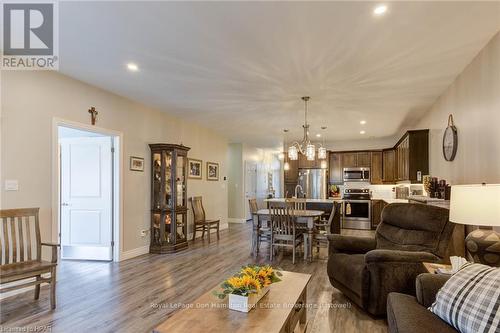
x=286, y=166
x=475, y=204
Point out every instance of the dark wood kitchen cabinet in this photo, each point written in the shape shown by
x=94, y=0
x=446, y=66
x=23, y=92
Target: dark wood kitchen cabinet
x=303, y=163
x=377, y=207
x=358, y=159
x=376, y=167
x=412, y=156
x=349, y=160
x=364, y=159
x=291, y=175
x=336, y=175
x=389, y=166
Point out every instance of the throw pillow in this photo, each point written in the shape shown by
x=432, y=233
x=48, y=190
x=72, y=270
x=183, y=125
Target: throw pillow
x=470, y=299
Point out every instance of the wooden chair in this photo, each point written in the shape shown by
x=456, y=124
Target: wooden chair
x=322, y=229
x=200, y=222
x=283, y=228
x=298, y=203
x=21, y=252
x=264, y=234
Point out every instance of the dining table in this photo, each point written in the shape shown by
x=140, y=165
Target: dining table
x=306, y=217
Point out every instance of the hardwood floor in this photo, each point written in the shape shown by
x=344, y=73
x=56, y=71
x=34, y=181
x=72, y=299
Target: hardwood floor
x=137, y=294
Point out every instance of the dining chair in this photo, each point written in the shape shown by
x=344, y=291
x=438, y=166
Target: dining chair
x=200, y=221
x=284, y=232
x=301, y=204
x=323, y=228
x=298, y=203
x=264, y=233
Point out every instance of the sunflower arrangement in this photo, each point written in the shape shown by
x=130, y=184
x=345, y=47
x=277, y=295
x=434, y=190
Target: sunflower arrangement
x=249, y=280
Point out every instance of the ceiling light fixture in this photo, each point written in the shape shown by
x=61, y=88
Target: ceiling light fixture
x=380, y=10
x=362, y=132
x=322, y=150
x=362, y=122
x=286, y=165
x=132, y=67
x=318, y=135
x=305, y=147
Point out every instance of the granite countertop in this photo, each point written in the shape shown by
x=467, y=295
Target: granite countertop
x=389, y=201
x=329, y=200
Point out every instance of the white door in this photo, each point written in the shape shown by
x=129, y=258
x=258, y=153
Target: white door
x=86, y=198
x=250, y=186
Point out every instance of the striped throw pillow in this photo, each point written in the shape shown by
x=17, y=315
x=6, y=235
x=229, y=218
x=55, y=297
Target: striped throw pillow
x=470, y=299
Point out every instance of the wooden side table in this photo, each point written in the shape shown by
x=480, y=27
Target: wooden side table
x=431, y=267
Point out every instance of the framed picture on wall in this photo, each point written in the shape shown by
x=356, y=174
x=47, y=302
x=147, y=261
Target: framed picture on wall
x=194, y=168
x=212, y=171
x=136, y=164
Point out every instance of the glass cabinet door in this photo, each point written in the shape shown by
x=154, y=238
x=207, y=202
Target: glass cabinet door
x=181, y=223
x=158, y=219
x=157, y=181
x=180, y=181
x=168, y=197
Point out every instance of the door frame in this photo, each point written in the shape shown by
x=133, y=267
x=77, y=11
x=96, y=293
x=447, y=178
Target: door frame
x=117, y=212
x=246, y=209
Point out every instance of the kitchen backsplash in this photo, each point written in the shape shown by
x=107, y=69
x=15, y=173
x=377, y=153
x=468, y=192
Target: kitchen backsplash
x=384, y=191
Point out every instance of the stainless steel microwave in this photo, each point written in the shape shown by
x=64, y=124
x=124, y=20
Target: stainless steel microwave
x=357, y=175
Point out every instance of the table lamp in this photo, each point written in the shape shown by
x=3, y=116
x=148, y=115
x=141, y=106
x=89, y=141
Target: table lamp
x=478, y=205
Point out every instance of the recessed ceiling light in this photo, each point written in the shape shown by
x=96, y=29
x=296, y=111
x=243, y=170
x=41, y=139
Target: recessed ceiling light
x=132, y=67
x=318, y=135
x=362, y=122
x=362, y=132
x=380, y=10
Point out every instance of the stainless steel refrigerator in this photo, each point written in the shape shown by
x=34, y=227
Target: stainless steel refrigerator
x=313, y=183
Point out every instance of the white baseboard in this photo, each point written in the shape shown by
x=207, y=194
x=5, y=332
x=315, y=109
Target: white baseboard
x=235, y=220
x=145, y=249
x=134, y=252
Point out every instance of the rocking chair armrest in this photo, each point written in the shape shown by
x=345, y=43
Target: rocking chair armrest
x=54, y=247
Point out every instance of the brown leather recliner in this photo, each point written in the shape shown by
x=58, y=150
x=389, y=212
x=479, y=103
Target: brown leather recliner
x=367, y=269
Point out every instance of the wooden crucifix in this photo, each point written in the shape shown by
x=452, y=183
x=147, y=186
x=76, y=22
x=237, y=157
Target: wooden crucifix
x=93, y=115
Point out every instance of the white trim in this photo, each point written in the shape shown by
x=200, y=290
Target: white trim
x=235, y=220
x=134, y=253
x=145, y=249
x=118, y=180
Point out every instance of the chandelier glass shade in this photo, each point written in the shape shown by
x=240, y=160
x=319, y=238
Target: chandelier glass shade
x=310, y=152
x=321, y=153
x=293, y=153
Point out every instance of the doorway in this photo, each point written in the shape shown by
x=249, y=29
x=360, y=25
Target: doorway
x=250, y=186
x=87, y=176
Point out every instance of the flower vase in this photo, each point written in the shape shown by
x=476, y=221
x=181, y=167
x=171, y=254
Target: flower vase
x=246, y=303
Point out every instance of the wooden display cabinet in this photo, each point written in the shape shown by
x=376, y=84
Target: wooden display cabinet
x=168, y=198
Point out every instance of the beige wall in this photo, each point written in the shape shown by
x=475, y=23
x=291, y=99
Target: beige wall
x=474, y=101
x=30, y=101
x=235, y=182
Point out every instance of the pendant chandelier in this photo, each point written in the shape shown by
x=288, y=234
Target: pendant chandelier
x=305, y=147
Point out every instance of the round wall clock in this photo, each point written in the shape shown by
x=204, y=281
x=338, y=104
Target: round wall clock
x=450, y=140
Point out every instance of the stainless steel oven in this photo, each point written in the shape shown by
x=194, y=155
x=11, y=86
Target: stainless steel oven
x=357, y=209
x=357, y=175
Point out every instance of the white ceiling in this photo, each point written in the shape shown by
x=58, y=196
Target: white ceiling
x=241, y=68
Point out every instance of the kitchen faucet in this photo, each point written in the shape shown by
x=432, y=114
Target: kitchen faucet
x=296, y=188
